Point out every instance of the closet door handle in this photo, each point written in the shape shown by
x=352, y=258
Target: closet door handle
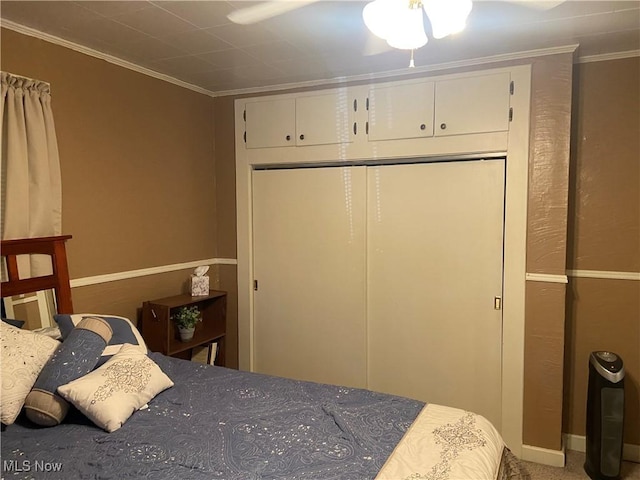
x=301, y=137
x=423, y=126
x=288, y=137
x=443, y=126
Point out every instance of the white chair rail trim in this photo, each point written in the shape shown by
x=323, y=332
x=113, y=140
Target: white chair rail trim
x=601, y=274
x=604, y=274
x=546, y=277
x=113, y=277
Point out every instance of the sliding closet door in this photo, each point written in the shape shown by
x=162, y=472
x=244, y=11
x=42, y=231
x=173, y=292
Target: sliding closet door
x=435, y=241
x=309, y=262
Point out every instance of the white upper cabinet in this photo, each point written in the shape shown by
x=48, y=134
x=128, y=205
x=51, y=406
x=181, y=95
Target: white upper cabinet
x=270, y=123
x=325, y=119
x=477, y=104
x=398, y=114
x=401, y=111
x=306, y=120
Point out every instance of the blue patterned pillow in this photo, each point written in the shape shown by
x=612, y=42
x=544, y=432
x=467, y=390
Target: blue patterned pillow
x=123, y=332
x=74, y=358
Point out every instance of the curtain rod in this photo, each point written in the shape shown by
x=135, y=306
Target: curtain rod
x=26, y=78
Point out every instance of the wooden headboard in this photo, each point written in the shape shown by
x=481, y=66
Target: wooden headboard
x=58, y=281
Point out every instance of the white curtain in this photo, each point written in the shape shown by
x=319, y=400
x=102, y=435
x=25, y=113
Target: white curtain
x=31, y=187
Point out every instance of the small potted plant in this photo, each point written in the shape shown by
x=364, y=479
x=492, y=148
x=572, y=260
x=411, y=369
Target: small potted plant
x=186, y=319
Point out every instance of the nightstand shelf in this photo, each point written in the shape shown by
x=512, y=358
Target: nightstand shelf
x=161, y=333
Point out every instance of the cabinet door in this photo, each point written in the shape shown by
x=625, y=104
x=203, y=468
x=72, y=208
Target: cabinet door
x=309, y=249
x=404, y=111
x=270, y=123
x=325, y=119
x=472, y=105
x=434, y=266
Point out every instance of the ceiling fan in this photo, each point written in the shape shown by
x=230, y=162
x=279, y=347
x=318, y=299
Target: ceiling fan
x=265, y=10
x=273, y=8
x=399, y=22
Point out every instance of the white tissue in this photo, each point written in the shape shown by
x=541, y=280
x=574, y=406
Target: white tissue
x=200, y=271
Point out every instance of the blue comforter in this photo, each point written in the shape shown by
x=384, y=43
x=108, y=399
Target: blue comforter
x=217, y=423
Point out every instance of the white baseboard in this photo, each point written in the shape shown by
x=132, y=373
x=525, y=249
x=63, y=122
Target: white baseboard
x=578, y=443
x=545, y=456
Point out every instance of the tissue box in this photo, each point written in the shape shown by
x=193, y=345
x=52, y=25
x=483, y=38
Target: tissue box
x=199, y=285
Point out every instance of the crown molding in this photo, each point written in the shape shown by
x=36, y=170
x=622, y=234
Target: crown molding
x=603, y=57
x=32, y=32
x=505, y=57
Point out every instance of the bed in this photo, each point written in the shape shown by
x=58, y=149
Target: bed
x=219, y=423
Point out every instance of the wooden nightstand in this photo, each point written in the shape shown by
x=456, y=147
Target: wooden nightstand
x=161, y=333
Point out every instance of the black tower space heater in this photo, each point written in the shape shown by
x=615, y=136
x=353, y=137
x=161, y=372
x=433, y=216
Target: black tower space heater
x=605, y=416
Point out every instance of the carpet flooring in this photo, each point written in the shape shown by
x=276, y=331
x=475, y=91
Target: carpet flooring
x=574, y=470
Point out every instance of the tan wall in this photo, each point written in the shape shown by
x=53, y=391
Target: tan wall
x=138, y=171
x=226, y=278
x=604, y=233
x=225, y=175
x=136, y=157
x=549, y=144
x=224, y=134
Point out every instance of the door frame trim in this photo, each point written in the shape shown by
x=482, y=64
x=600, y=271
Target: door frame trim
x=516, y=145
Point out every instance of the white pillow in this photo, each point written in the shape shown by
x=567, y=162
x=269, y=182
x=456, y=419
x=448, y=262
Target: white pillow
x=23, y=355
x=109, y=395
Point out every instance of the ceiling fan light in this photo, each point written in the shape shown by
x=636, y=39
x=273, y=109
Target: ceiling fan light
x=407, y=30
x=447, y=16
x=378, y=17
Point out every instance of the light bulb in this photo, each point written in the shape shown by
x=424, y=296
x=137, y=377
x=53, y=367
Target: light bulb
x=378, y=17
x=447, y=16
x=407, y=30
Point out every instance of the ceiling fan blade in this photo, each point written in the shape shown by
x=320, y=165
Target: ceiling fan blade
x=375, y=46
x=538, y=4
x=265, y=10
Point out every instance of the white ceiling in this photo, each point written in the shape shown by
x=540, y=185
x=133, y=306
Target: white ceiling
x=193, y=41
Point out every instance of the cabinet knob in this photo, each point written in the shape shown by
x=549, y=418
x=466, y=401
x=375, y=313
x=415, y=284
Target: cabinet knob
x=423, y=126
x=301, y=137
x=288, y=137
x=443, y=126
